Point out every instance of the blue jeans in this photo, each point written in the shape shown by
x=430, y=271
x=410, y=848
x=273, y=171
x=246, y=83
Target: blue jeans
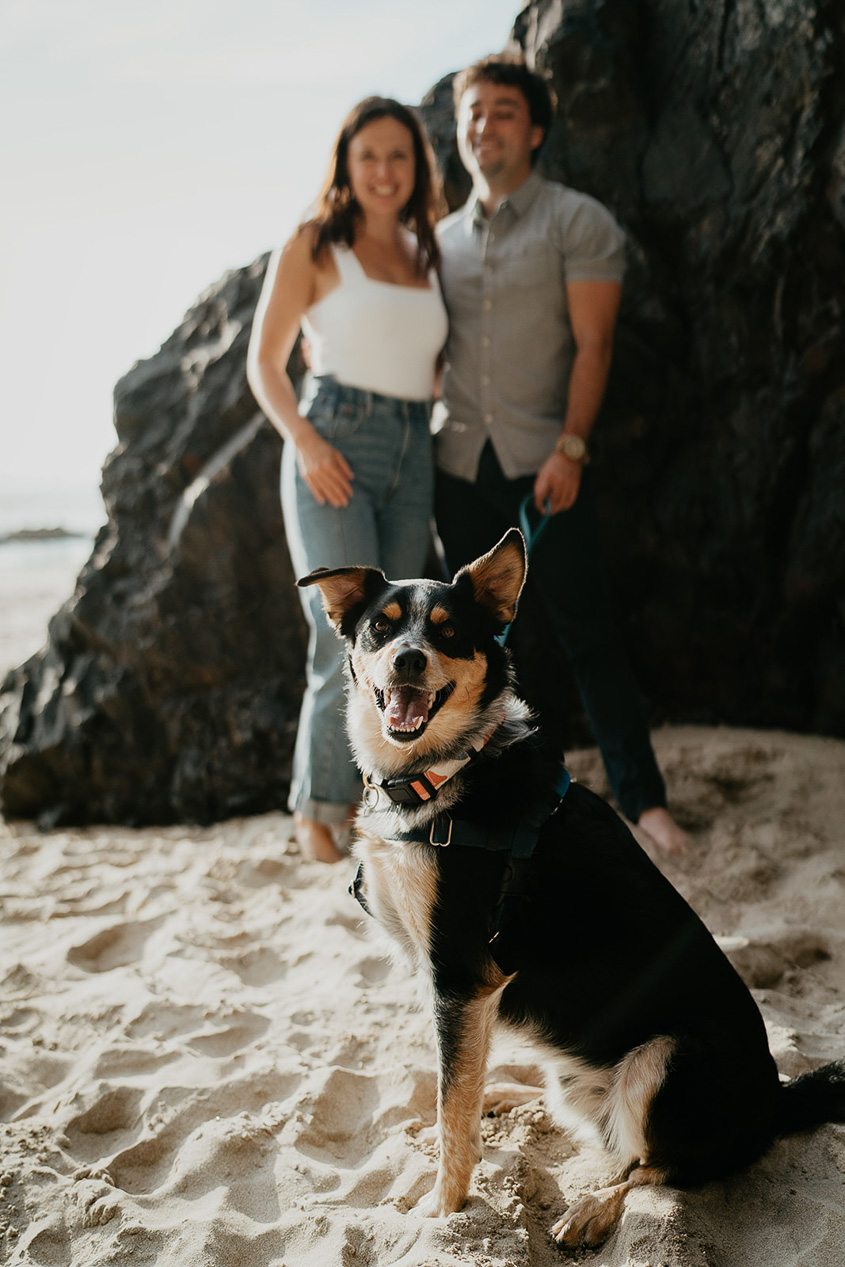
x=387, y=524
x=568, y=574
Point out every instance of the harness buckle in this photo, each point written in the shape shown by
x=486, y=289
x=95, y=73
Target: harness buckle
x=434, y=826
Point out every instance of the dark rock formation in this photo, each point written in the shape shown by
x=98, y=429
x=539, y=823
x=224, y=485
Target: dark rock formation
x=717, y=135
x=170, y=684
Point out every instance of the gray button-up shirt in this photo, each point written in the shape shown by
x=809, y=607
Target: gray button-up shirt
x=510, y=349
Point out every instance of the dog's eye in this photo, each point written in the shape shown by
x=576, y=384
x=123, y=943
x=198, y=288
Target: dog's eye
x=381, y=624
x=447, y=629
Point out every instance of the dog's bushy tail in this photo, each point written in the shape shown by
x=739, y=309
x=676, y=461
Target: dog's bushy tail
x=813, y=1098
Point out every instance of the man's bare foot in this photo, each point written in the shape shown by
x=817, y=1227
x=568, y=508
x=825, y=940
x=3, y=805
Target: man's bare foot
x=315, y=840
x=660, y=826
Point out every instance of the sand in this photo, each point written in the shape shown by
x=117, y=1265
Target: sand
x=206, y=1060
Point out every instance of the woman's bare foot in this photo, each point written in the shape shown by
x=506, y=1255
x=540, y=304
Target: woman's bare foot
x=315, y=840
x=344, y=833
x=660, y=826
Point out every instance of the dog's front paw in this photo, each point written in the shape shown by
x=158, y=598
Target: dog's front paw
x=428, y=1207
x=438, y=1203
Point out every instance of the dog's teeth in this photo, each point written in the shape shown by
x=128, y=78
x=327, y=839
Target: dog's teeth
x=409, y=727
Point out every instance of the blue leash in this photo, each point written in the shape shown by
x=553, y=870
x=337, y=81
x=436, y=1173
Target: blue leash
x=532, y=536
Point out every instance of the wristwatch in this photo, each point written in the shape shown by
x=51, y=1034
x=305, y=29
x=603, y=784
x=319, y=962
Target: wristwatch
x=572, y=447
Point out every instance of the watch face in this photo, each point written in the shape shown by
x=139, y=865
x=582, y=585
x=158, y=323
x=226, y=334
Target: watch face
x=573, y=447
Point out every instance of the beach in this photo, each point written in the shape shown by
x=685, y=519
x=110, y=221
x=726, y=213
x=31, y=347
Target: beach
x=206, y=1058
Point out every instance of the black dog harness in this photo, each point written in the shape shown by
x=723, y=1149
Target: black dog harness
x=517, y=840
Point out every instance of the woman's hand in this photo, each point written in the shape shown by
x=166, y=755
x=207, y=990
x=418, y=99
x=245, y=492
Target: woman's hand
x=292, y=285
x=325, y=470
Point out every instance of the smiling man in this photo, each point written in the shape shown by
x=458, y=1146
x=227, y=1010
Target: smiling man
x=532, y=277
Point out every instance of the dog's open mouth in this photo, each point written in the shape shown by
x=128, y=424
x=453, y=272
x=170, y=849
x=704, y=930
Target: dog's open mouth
x=408, y=710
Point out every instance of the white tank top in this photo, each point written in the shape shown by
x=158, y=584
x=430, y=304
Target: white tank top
x=376, y=335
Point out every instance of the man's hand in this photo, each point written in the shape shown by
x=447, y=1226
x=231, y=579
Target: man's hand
x=557, y=482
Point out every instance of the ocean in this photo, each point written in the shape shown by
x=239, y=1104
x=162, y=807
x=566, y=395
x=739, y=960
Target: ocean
x=29, y=502
x=37, y=576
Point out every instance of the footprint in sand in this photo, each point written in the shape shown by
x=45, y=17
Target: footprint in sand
x=113, y=947
x=103, y=1126
x=260, y=966
x=48, y=1243
x=145, y=1166
x=348, y=1113
x=25, y=1019
x=339, y=1116
x=152, y=1162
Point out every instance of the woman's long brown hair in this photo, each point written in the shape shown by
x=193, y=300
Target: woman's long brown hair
x=336, y=211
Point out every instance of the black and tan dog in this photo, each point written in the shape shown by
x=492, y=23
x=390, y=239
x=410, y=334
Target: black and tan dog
x=528, y=904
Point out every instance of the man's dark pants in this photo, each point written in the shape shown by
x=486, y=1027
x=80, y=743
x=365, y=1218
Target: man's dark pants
x=568, y=575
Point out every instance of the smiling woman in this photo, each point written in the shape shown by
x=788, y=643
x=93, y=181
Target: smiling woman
x=360, y=279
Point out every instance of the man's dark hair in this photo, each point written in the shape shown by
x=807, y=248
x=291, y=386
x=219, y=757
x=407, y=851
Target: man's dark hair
x=500, y=68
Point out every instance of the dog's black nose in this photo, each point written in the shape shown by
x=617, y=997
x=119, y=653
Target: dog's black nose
x=409, y=661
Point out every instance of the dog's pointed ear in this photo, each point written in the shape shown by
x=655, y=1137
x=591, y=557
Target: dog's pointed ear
x=343, y=589
x=497, y=577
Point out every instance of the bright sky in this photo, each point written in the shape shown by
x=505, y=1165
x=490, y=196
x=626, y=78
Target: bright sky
x=148, y=145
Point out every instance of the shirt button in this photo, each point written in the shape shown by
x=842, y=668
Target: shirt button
x=485, y=380
x=488, y=418
x=488, y=304
x=485, y=342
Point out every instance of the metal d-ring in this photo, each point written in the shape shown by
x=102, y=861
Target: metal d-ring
x=441, y=844
x=371, y=793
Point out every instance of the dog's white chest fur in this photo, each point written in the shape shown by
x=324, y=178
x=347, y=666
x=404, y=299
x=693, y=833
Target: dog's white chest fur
x=401, y=891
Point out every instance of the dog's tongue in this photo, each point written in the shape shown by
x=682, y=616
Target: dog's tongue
x=406, y=708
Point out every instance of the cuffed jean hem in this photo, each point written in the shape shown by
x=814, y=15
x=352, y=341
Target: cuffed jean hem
x=321, y=811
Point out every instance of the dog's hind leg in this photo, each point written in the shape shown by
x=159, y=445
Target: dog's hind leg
x=501, y=1097
x=636, y=1081
x=463, y=1038
x=591, y=1219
